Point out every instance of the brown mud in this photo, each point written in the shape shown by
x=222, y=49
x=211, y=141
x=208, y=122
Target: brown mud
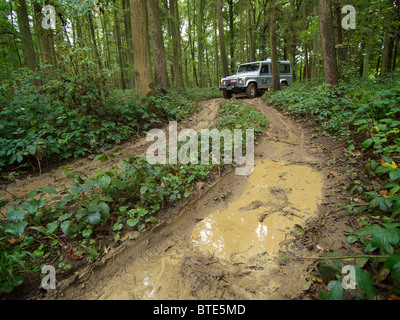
x=240, y=237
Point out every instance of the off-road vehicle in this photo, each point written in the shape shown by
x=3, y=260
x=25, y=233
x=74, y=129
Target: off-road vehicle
x=254, y=77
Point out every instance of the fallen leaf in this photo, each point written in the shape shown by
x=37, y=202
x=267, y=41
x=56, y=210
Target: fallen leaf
x=74, y=256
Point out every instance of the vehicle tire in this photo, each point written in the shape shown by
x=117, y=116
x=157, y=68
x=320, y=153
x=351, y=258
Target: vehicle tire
x=227, y=94
x=251, y=91
x=284, y=85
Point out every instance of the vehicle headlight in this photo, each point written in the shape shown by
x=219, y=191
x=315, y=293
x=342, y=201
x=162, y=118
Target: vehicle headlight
x=222, y=82
x=241, y=81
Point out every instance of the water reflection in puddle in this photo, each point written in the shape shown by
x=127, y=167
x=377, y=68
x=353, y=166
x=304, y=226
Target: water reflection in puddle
x=277, y=197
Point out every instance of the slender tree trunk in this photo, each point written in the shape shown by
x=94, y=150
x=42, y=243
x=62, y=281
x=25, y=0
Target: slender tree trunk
x=387, y=54
x=307, y=73
x=94, y=42
x=128, y=34
x=328, y=43
x=157, y=42
x=341, y=50
x=274, y=52
x=118, y=41
x=366, y=61
x=200, y=43
x=176, y=44
x=251, y=38
x=231, y=35
x=224, y=60
x=141, y=48
x=26, y=35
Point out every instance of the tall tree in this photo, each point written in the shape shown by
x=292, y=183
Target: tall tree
x=26, y=35
x=141, y=48
x=176, y=43
x=119, y=46
x=274, y=51
x=328, y=51
x=222, y=48
x=157, y=42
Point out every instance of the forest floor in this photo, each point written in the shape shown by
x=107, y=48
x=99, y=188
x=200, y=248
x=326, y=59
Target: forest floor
x=239, y=237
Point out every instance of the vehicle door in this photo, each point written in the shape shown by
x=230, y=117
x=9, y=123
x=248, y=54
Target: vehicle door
x=265, y=76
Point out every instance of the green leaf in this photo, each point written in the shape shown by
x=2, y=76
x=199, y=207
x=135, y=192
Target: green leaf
x=104, y=182
x=335, y=291
x=365, y=282
x=52, y=227
x=49, y=190
x=16, y=229
x=65, y=227
x=64, y=217
x=15, y=214
x=102, y=158
x=32, y=149
x=94, y=217
x=393, y=263
x=394, y=174
x=380, y=238
x=86, y=233
x=132, y=222
x=82, y=212
x=367, y=143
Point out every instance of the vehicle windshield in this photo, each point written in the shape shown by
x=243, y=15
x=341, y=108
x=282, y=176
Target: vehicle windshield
x=248, y=67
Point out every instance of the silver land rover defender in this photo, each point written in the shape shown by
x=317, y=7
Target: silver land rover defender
x=255, y=77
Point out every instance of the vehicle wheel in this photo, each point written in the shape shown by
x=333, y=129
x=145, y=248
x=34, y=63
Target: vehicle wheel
x=227, y=94
x=251, y=91
x=284, y=85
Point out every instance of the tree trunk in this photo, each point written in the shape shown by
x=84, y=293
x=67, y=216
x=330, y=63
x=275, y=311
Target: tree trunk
x=157, y=42
x=366, y=61
x=45, y=37
x=231, y=35
x=328, y=43
x=141, y=48
x=251, y=39
x=118, y=40
x=341, y=50
x=274, y=52
x=128, y=34
x=176, y=44
x=224, y=60
x=93, y=39
x=26, y=35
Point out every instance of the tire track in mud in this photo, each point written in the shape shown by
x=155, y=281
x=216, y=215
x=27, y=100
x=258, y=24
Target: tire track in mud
x=165, y=263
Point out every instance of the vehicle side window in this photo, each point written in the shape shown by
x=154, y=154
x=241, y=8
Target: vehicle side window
x=284, y=68
x=265, y=68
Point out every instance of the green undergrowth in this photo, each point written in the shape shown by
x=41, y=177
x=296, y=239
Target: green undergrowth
x=82, y=219
x=50, y=116
x=365, y=114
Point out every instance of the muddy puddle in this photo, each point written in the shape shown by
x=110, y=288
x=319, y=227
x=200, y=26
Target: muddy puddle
x=236, y=243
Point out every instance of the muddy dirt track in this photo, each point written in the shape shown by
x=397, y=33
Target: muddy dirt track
x=239, y=237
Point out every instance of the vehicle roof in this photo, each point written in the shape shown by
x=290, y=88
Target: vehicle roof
x=265, y=61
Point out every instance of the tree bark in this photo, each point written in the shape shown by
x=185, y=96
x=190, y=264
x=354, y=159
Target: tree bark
x=328, y=43
x=118, y=40
x=224, y=60
x=251, y=38
x=26, y=35
x=176, y=44
x=157, y=42
x=274, y=52
x=141, y=48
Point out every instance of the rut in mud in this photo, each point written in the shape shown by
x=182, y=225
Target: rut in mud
x=228, y=242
